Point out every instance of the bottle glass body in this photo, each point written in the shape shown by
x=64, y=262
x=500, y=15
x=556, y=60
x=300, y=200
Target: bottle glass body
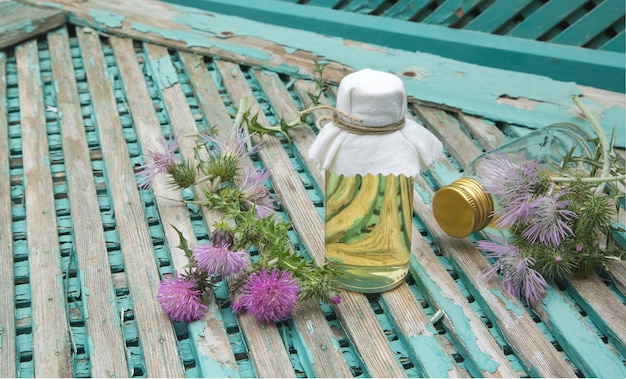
x=368, y=222
x=464, y=207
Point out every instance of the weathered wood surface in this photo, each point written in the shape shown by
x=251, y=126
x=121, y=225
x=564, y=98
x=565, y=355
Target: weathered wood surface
x=51, y=340
x=7, y=295
x=480, y=321
x=19, y=22
x=107, y=352
x=155, y=329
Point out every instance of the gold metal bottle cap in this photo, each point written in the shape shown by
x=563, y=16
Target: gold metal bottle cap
x=462, y=207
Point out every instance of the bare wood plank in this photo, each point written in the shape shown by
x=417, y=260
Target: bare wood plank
x=7, y=327
x=617, y=270
x=401, y=302
x=519, y=329
x=19, y=22
x=607, y=309
x=487, y=135
x=168, y=26
x=327, y=359
x=107, y=352
x=265, y=344
x=156, y=334
x=215, y=356
x=365, y=331
x=596, y=297
x=445, y=127
x=50, y=329
x=482, y=349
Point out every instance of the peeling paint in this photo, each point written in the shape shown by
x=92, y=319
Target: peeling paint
x=434, y=363
x=109, y=19
x=163, y=72
x=510, y=305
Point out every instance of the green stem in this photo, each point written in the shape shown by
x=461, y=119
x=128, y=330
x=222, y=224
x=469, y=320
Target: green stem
x=243, y=105
x=602, y=179
x=604, y=142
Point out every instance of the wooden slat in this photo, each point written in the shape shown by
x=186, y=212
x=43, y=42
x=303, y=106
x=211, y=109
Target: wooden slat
x=156, y=334
x=592, y=23
x=617, y=43
x=308, y=320
x=7, y=326
x=548, y=16
x=50, y=328
x=597, y=297
x=496, y=15
x=486, y=134
x=581, y=343
x=450, y=12
x=406, y=9
x=606, y=310
x=365, y=331
x=445, y=127
x=520, y=331
x=19, y=22
x=106, y=354
x=208, y=334
x=365, y=6
x=404, y=308
x=265, y=344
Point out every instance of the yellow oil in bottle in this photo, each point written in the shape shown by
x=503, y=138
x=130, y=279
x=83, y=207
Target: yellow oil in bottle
x=368, y=229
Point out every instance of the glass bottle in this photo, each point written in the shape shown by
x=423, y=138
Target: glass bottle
x=464, y=207
x=368, y=229
x=370, y=152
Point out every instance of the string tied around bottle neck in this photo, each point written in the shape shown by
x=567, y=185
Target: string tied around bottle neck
x=353, y=124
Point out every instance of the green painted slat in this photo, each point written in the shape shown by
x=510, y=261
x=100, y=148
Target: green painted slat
x=593, y=23
x=451, y=11
x=616, y=44
x=545, y=18
x=324, y=3
x=365, y=6
x=406, y=9
x=497, y=15
x=581, y=343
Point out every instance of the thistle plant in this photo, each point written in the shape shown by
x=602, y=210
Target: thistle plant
x=559, y=224
x=267, y=284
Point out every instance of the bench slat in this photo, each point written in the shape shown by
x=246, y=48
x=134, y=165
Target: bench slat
x=156, y=334
x=365, y=332
x=51, y=344
x=18, y=22
x=548, y=16
x=451, y=11
x=209, y=333
x=7, y=295
x=592, y=23
x=406, y=9
x=496, y=15
x=617, y=43
x=107, y=355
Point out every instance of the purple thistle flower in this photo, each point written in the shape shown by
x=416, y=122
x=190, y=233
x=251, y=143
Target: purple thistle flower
x=513, y=185
x=255, y=194
x=269, y=296
x=336, y=299
x=158, y=161
x=548, y=223
x=180, y=298
x=234, y=145
x=518, y=277
x=220, y=260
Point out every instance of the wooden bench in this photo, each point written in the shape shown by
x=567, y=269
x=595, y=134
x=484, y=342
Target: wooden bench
x=83, y=249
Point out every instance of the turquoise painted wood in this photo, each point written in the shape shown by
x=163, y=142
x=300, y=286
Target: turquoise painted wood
x=406, y=9
x=616, y=44
x=498, y=14
x=545, y=18
x=593, y=23
x=598, y=68
x=451, y=11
